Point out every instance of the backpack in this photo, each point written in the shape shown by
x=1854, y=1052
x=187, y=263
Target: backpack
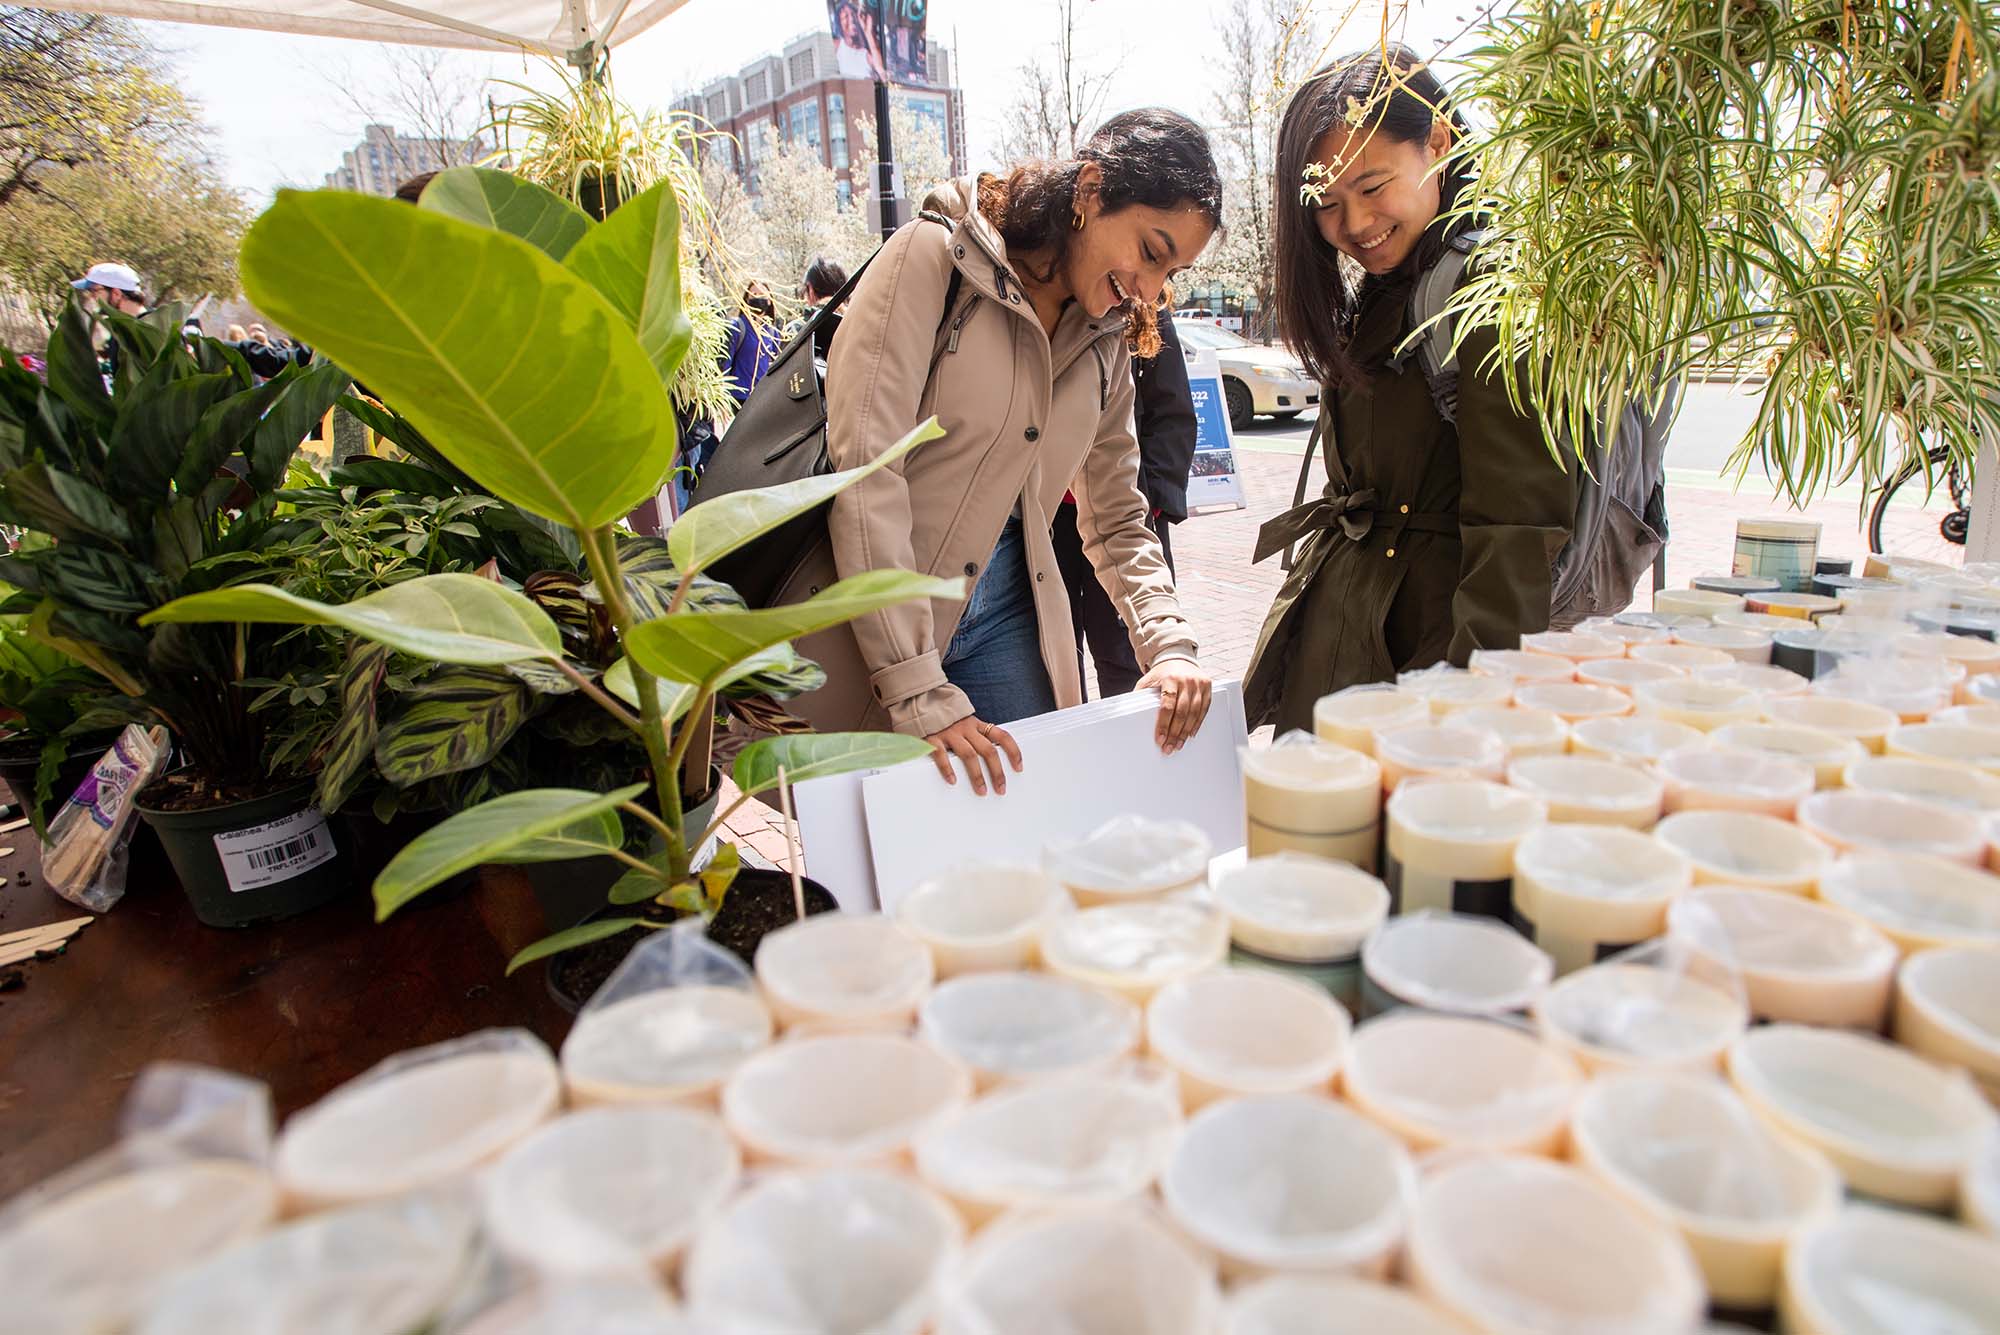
x=779, y=436
x=1620, y=527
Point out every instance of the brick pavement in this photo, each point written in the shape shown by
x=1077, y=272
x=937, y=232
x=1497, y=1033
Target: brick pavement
x=1226, y=597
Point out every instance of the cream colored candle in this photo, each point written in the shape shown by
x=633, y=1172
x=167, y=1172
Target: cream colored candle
x=841, y=1100
x=674, y=1042
x=1957, y=743
x=1576, y=646
x=1622, y=674
x=1978, y=689
x=1740, y=848
x=1451, y=962
x=845, y=971
x=1132, y=858
x=1295, y=1304
x=1231, y=1033
x=1804, y=606
x=1768, y=680
x=1918, y=902
x=1827, y=754
x=1627, y=633
x=1978, y=657
x=1948, y=1009
x=1633, y=739
x=1451, y=689
x=1524, y=732
x=1853, y=820
x=1654, y=1007
x=982, y=917
x=1976, y=716
x=1739, y=642
x=1897, y=1126
x=1911, y=688
x=1756, y=621
x=1460, y=1082
x=1439, y=749
x=1979, y=1189
x=1519, y=666
x=1867, y=1269
x=1517, y=1245
x=1597, y=792
x=1695, y=602
x=1686, y=657
x=1699, y=704
x=1712, y=778
x=1801, y=962
x=1351, y=717
x=1879, y=629
x=1685, y=1149
x=1865, y=723
x=1347, y=1185
x=1136, y=949
x=1584, y=891
x=1018, y=1026
x=1308, y=796
x=1889, y=604
x=1451, y=845
x=1303, y=909
x=1574, y=703
x=1934, y=781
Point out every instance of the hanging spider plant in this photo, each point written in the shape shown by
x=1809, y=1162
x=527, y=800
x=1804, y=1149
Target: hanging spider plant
x=1801, y=191
x=596, y=151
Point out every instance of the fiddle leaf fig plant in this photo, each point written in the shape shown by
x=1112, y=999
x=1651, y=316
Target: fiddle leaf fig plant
x=547, y=381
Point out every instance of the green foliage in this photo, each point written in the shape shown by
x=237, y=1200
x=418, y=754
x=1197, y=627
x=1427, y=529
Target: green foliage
x=814, y=755
x=537, y=825
x=1805, y=191
x=504, y=202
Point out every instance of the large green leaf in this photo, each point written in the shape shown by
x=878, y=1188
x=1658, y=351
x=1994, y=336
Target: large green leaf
x=512, y=366
x=63, y=505
x=153, y=430
x=507, y=203
x=676, y=697
x=461, y=718
x=633, y=258
x=713, y=529
x=307, y=397
x=702, y=647
x=345, y=754
x=97, y=578
x=72, y=367
x=451, y=618
x=569, y=939
x=494, y=831
x=816, y=755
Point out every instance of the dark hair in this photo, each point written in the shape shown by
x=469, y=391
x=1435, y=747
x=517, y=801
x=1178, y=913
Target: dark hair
x=412, y=190
x=825, y=277
x=1399, y=99
x=1151, y=156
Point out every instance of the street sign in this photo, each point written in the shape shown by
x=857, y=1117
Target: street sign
x=1212, y=480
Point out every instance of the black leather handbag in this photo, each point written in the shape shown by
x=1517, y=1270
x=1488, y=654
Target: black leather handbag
x=779, y=436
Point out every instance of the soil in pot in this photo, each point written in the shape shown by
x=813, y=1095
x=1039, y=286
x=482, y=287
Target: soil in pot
x=245, y=857
x=759, y=902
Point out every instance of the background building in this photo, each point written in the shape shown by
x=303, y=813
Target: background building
x=384, y=159
x=798, y=97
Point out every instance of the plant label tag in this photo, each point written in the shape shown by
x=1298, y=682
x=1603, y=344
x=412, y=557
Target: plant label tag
x=274, y=851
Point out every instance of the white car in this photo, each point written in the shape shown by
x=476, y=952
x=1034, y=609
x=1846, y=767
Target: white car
x=1256, y=380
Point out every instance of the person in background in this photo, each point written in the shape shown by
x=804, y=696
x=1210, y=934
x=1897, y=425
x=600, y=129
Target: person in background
x=236, y=333
x=752, y=340
x=1431, y=540
x=113, y=286
x=1060, y=266
x=1165, y=424
x=259, y=334
x=822, y=284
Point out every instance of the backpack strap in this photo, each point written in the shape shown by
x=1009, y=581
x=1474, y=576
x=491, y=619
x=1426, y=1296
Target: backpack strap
x=1432, y=327
x=828, y=308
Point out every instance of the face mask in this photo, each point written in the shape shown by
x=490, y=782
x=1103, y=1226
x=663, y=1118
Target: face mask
x=763, y=306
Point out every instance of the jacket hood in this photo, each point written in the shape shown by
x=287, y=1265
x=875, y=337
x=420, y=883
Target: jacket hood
x=959, y=201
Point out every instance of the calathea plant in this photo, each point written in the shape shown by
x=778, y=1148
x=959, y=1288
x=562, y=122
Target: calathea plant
x=534, y=349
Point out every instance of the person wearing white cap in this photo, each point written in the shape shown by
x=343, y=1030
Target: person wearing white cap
x=114, y=285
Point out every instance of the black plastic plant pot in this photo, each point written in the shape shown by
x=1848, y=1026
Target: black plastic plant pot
x=571, y=890
x=371, y=844
x=19, y=770
x=254, y=861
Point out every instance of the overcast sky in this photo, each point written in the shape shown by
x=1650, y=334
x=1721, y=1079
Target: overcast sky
x=278, y=122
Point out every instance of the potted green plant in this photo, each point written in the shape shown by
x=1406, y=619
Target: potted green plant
x=147, y=492
x=555, y=398
x=48, y=737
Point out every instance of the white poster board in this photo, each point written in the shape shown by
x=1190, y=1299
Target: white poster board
x=872, y=838
x=1212, y=480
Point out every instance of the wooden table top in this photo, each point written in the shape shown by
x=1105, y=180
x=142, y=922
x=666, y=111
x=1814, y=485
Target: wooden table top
x=303, y=1004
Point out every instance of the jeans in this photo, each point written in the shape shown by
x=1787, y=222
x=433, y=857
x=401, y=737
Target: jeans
x=995, y=655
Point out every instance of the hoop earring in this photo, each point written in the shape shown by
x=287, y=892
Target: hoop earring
x=1076, y=220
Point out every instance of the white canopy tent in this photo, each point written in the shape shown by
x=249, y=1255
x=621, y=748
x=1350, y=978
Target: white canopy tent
x=576, y=31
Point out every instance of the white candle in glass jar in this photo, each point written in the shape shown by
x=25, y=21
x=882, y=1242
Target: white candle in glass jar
x=1451, y=689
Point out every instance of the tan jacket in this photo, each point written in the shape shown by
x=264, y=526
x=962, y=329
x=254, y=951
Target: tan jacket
x=1026, y=418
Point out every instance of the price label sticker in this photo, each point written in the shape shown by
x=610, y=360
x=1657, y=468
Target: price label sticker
x=274, y=851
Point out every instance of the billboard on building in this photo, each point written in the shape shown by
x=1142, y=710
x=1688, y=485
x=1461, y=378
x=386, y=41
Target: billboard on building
x=883, y=40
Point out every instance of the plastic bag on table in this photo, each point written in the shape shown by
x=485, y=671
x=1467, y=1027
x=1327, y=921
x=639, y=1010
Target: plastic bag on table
x=89, y=840
x=90, y=1247
x=418, y=1119
x=672, y=1022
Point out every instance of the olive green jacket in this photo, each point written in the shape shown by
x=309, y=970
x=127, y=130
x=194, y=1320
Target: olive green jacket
x=1428, y=542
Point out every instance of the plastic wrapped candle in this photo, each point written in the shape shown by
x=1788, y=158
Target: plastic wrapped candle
x=1739, y=642
x=1801, y=961
x=1524, y=732
x=1955, y=743
x=1978, y=716
x=1827, y=754
x=1300, y=909
x=1710, y=778
x=1863, y=1267
x=1865, y=723
x=1576, y=646
x=1657, y=1006
x=1852, y=820
x=1738, y=848
x=1583, y=790
x=1768, y=681
x=1757, y=621
x=982, y=917
x=1451, y=962
x=1695, y=602
x=1625, y=632
x=1574, y=703
x=1452, y=1081
x=1804, y=606
x=1136, y=949
x=1519, y=666
x=1634, y=739
x=1686, y=657
x=1914, y=688
x=1933, y=781
x=1948, y=1009
x=1129, y=858
x=1699, y=704
x=1451, y=845
x=1622, y=674
x=1582, y=892
x=1307, y=796
x=1918, y=902
x=1353, y=716
x=1439, y=749
x=1450, y=689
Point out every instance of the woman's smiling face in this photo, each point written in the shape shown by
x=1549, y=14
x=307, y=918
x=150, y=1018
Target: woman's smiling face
x=1127, y=255
x=1377, y=195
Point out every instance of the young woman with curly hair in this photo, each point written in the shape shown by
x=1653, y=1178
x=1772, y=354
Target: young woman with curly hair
x=1052, y=274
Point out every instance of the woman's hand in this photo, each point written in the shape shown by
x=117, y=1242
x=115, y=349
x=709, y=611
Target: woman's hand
x=979, y=745
x=1184, y=695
